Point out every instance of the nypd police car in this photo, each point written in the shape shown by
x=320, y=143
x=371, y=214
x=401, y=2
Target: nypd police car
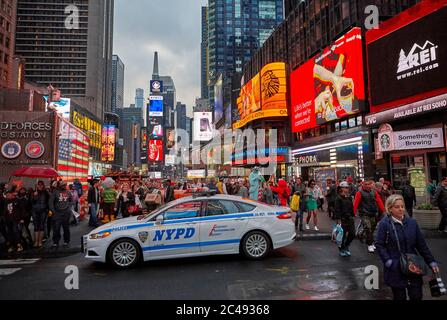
x=194, y=226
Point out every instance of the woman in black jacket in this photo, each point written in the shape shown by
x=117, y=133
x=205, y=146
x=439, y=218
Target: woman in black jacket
x=409, y=240
x=126, y=199
x=344, y=214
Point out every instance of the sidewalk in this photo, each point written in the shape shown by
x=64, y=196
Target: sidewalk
x=76, y=232
x=325, y=224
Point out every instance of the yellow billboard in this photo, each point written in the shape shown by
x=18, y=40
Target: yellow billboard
x=91, y=128
x=264, y=96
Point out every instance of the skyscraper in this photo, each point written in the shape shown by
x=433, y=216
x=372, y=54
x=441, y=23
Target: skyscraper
x=180, y=112
x=139, y=98
x=7, y=33
x=204, y=54
x=237, y=29
x=117, y=84
x=75, y=59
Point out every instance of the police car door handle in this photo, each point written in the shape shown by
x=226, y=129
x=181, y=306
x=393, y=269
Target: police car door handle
x=241, y=219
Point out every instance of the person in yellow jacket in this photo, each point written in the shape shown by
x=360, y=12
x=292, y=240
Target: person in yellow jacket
x=295, y=206
x=221, y=186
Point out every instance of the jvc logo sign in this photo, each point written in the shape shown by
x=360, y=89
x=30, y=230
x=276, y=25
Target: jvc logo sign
x=416, y=58
x=174, y=234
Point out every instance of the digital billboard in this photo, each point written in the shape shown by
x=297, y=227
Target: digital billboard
x=155, y=106
x=409, y=56
x=203, y=130
x=156, y=86
x=92, y=128
x=264, y=96
x=170, y=138
x=108, y=143
x=155, y=128
x=62, y=106
x=330, y=86
x=155, y=150
x=218, y=100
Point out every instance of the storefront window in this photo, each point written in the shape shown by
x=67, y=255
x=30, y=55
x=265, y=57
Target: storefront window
x=344, y=125
x=352, y=123
x=359, y=120
x=337, y=126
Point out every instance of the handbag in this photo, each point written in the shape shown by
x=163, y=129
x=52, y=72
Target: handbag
x=410, y=264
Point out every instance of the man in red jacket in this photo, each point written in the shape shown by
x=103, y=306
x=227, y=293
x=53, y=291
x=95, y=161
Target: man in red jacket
x=368, y=204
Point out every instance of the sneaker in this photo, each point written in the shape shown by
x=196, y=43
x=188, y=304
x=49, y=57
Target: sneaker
x=371, y=249
x=374, y=247
x=343, y=253
x=307, y=227
x=316, y=228
x=55, y=245
x=348, y=252
x=66, y=244
x=19, y=248
x=10, y=250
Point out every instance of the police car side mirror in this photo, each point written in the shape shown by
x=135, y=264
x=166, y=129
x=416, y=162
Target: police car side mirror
x=159, y=220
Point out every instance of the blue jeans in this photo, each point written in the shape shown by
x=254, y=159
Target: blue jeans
x=299, y=219
x=93, y=222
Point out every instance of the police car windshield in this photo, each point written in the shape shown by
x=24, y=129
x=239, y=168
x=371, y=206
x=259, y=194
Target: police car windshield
x=153, y=214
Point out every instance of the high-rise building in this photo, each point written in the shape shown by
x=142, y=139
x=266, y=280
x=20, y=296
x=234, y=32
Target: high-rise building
x=77, y=59
x=130, y=128
x=169, y=93
x=204, y=54
x=237, y=29
x=117, y=84
x=180, y=112
x=7, y=34
x=139, y=98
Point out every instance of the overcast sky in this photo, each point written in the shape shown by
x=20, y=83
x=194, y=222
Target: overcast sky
x=171, y=27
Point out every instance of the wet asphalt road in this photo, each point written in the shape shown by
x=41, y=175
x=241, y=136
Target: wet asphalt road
x=306, y=270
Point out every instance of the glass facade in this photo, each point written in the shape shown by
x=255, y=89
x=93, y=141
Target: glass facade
x=236, y=30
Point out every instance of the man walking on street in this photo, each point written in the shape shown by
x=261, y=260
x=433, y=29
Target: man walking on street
x=344, y=213
x=61, y=202
x=367, y=205
x=409, y=195
x=440, y=200
x=93, y=199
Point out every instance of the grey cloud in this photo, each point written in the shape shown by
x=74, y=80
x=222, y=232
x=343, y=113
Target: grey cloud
x=173, y=28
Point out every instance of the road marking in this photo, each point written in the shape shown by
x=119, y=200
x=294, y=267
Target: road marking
x=17, y=262
x=9, y=271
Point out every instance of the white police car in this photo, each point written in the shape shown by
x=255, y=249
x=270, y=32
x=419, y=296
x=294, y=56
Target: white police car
x=193, y=226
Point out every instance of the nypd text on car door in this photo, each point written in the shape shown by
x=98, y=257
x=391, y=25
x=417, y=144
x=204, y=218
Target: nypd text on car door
x=178, y=233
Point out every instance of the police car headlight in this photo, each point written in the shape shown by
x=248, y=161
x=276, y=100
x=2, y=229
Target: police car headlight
x=99, y=235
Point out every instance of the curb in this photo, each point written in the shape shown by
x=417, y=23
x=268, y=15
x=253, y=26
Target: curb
x=46, y=253
x=314, y=236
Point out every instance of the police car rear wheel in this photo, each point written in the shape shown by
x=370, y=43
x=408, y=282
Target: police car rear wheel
x=256, y=245
x=124, y=254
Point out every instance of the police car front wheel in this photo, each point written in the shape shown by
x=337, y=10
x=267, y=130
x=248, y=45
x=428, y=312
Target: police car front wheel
x=256, y=245
x=124, y=254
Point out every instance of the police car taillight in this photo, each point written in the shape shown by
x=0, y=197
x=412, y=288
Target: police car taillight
x=287, y=215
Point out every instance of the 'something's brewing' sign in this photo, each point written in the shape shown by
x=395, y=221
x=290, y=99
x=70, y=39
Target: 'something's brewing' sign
x=26, y=138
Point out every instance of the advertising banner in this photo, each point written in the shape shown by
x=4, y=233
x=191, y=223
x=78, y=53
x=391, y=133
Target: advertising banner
x=203, y=130
x=90, y=127
x=155, y=151
x=170, y=138
x=196, y=174
x=170, y=160
x=409, y=61
x=330, y=86
x=108, y=143
x=155, y=106
x=156, y=86
x=144, y=139
x=264, y=96
x=218, y=100
x=62, y=106
x=155, y=128
x=419, y=139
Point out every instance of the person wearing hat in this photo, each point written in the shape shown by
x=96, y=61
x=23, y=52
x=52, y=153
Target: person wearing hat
x=61, y=203
x=344, y=214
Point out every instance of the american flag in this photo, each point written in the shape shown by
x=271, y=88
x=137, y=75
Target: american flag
x=73, y=158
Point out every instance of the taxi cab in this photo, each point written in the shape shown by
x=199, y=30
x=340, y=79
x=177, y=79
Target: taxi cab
x=204, y=224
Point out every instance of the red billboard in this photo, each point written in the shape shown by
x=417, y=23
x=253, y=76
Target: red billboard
x=330, y=86
x=155, y=150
